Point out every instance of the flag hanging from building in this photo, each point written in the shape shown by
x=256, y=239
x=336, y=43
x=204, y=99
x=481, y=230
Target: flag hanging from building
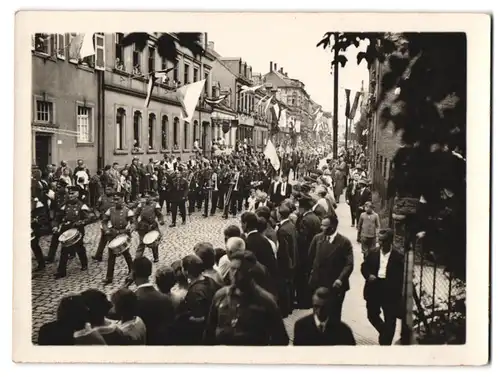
x=261, y=100
x=246, y=88
x=153, y=76
x=272, y=155
x=216, y=100
x=348, y=102
x=282, y=118
x=188, y=96
x=297, y=125
x=81, y=46
x=267, y=104
x=354, y=107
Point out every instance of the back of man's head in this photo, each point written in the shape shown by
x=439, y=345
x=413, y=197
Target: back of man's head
x=235, y=244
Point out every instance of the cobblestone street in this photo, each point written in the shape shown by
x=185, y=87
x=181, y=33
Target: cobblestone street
x=176, y=243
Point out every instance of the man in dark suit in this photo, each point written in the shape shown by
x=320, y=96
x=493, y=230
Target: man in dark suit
x=383, y=271
x=319, y=328
x=286, y=258
x=332, y=264
x=362, y=196
x=154, y=308
x=274, y=190
x=308, y=225
x=351, y=196
x=258, y=244
x=284, y=190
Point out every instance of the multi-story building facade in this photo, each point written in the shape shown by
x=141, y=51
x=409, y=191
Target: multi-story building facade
x=292, y=93
x=94, y=109
x=65, y=99
x=131, y=129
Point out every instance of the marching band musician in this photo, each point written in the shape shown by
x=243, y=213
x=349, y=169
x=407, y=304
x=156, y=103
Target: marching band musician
x=146, y=215
x=117, y=220
x=105, y=202
x=178, y=196
x=60, y=198
x=37, y=209
x=74, y=214
x=235, y=198
x=206, y=187
x=193, y=189
x=215, y=182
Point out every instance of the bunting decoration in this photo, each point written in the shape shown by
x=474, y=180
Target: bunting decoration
x=217, y=100
x=354, y=107
x=348, y=103
x=246, y=88
x=188, y=96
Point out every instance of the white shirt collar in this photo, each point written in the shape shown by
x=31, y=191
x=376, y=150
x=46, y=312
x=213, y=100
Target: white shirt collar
x=145, y=285
x=332, y=237
x=318, y=322
x=283, y=221
x=251, y=232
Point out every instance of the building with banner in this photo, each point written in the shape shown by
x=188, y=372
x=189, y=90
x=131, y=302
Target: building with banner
x=65, y=100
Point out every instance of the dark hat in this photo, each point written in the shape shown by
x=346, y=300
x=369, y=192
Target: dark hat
x=73, y=189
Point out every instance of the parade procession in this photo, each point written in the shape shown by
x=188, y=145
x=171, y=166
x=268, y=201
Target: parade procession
x=201, y=203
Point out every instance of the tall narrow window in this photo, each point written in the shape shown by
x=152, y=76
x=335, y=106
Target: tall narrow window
x=151, y=59
x=176, y=72
x=206, y=83
x=83, y=124
x=61, y=46
x=195, y=74
x=137, y=128
x=176, y=133
x=151, y=131
x=100, y=54
x=238, y=99
x=186, y=135
x=43, y=43
x=195, y=131
x=186, y=74
x=164, y=132
x=120, y=129
x=119, y=52
x=136, y=60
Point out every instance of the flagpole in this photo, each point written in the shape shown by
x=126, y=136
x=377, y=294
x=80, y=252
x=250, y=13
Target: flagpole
x=335, y=97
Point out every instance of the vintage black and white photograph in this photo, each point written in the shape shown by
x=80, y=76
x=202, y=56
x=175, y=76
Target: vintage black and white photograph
x=234, y=188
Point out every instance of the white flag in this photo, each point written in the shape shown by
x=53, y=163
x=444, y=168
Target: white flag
x=188, y=96
x=87, y=45
x=282, y=119
x=245, y=88
x=272, y=155
x=267, y=104
x=297, y=125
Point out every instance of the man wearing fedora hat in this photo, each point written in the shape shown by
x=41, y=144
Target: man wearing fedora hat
x=362, y=196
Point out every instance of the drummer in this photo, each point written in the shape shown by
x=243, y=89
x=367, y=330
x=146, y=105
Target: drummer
x=115, y=221
x=146, y=217
x=74, y=215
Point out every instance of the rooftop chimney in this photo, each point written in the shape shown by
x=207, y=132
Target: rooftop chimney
x=211, y=45
x=275, y=67
x=286, y=74
x=270, y=66
x=281, y=70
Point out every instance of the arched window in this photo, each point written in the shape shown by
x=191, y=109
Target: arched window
x=164, y=132
x=137, y=128
x=186, y=134
x=176, y=133
x=195, y=131
x=120, y=129
x=151, y=130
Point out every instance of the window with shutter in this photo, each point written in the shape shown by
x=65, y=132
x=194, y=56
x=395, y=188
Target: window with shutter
x=61, y=46
x=100, y=57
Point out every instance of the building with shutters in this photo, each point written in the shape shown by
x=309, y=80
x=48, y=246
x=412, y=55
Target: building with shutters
x=131, y=129
x=64, y=101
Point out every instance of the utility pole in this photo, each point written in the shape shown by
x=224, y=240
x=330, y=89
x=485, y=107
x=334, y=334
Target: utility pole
x=335, y=121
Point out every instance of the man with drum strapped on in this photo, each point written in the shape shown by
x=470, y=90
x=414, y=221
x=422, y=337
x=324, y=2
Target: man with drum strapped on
x=69, y=226
x=117, y=227
x=105, y=202
x=147, y=226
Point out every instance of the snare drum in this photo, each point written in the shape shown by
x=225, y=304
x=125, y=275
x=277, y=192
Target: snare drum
x=70, y=237
x=152, y=239
x=119, y=244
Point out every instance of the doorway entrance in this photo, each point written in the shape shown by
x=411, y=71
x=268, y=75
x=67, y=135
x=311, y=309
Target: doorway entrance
x=43, y=150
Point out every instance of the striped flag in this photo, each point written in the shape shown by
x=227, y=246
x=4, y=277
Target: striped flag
x=348, y=102
x=354, y=107
x=188, y=96
x=81, y=46
x=151, y=85
x=216, y=101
